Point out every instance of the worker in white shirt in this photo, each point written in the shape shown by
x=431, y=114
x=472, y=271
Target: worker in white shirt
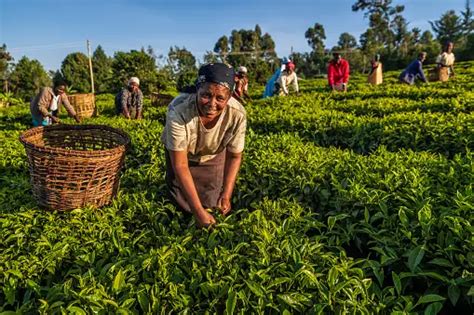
x=286, y=80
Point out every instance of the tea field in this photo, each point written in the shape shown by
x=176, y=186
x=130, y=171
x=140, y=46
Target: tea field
x=356, y=203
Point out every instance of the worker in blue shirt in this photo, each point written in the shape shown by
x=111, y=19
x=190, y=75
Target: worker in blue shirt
x=414, y=71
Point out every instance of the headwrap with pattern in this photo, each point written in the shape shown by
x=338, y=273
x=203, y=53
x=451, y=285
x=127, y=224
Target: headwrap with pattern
x=219, y=73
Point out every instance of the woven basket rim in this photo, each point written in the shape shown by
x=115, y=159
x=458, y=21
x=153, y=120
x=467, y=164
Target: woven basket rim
x=68, y=152
x=80, y=94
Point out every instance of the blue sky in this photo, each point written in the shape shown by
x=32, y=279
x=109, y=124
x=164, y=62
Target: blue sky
x=48, y=30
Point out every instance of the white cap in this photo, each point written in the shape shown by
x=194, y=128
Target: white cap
x=242, y=69
x=134, y=80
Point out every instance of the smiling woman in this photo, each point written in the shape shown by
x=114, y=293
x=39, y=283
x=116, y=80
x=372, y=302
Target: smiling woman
x=204, y=139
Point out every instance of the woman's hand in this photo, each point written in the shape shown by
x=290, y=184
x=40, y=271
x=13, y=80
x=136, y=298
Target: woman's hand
x=224, y=204
x=55, y=119
x=204, y=218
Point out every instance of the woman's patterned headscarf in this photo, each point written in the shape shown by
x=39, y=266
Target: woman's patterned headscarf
x=219, y=73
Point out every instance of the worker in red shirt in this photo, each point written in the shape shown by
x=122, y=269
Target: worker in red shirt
x=338, y=73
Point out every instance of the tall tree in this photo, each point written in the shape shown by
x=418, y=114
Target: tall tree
x=428, y=44
x=28, y=77
x=316, y=36
x=102, y=66
x=75, y=70
x=184, y=67
x=400, y=31
x=211, y=57
x=448, y=28
x=136, y=63
x=467, y=19
x=416, y=33
x=381, y=7
x=426, y=37
x=381, y=14
x=346, y=42
x=222, y=47
x=5, y=60
x=251, y=48
x=315, y=61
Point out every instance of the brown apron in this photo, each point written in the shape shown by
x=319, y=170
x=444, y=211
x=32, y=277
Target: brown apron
x=375, y=77
x=443, y=74
x=208, y=178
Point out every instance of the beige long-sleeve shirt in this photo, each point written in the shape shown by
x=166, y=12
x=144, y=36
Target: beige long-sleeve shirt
x=40, y=106
x=286, y=80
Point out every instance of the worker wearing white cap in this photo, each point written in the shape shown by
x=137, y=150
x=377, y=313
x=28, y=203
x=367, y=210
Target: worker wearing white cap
x=241, y=85
x=129, y=101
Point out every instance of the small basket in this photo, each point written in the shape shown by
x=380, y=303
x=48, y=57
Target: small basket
x=84, y=104
x=72, y=166
x=160, y=99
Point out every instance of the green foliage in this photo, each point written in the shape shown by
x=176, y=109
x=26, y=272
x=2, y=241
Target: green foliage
x=5, y=59
x=346, y=42
x=468, y=52
x=183, y=65
x=315, y=62
x=27, y=78
x=8, y=99
x=249, y=48
x=134, y=64
x=389, y=36
x=75, y=71
x=311, y=64
x=102, y=66
x=448, y=28
x=316, y=36
x=222, y=47
x=346, y=203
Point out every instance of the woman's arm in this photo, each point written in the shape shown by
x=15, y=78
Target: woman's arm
x=282, y=82
x=231, y=169
x=331, y=76
x=179, y=162
x=139, y=113
x=123, y=104
x=69, y=108
x=44, y=100
x=421, y=73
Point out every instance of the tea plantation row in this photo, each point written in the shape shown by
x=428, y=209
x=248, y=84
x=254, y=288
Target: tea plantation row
x=356, y=203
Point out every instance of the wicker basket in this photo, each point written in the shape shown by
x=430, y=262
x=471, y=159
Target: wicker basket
x=74, y=165
x=84, y=104
x=159, y=99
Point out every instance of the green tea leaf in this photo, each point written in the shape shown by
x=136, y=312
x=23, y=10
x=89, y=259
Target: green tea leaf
x=230, y=303
x=430, y=298
x=453, y=293
x=119, y=281
x=143, y=301
x=397, y=283
x=433, y=308
x=331, y=222
x=287, y=299
x=254, y=287
x=415, y=256
x=76, y=310
x=441, y=262
x=471, y=291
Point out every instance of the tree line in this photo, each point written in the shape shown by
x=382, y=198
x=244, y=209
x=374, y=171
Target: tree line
x=388, y=34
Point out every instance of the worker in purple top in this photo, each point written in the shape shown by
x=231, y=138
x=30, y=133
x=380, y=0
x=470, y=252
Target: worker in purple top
x=414, y=71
